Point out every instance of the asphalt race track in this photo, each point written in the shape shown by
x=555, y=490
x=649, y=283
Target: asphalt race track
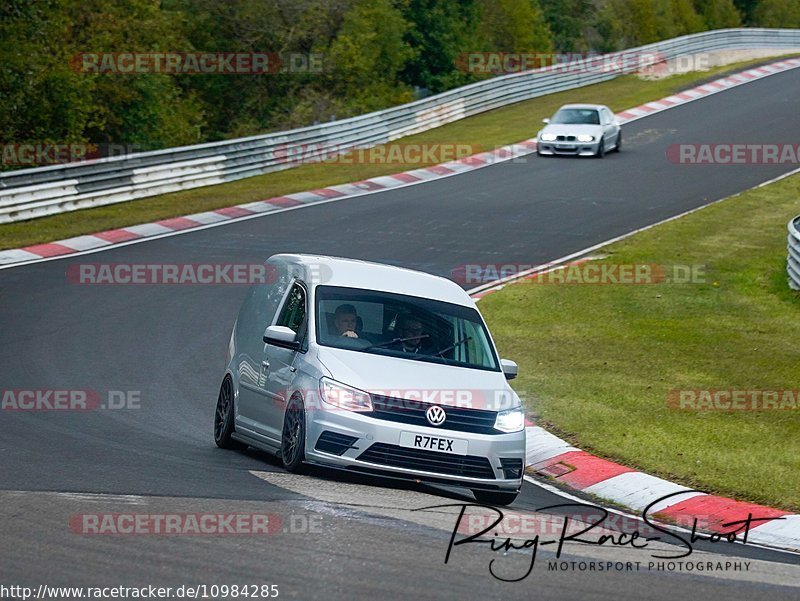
x=342, y=537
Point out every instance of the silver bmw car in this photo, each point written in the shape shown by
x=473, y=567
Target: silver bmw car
x=375, y=369
x=580, y=130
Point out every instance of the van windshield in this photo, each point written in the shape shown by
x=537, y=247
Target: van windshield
x=403, y=326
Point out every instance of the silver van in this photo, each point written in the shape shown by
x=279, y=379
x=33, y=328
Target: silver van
x=375, y=369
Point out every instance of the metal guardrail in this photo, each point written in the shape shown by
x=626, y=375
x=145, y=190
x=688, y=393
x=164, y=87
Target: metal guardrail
x=31, y=193
x=793, y=260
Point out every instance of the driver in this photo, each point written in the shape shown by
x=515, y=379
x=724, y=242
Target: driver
x=345, y=319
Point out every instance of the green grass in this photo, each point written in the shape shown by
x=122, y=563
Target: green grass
x=597, y=362
x=485, y=131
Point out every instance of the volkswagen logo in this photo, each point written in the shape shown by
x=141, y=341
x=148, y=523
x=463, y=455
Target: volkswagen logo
x=436, y=415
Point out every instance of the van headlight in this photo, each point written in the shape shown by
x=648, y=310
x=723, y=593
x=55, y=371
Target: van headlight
x=344, y=397
x=585, y=138
x=510, y=420
x=547, y=137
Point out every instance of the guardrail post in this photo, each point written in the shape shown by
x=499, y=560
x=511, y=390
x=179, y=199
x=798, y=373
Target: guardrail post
x=793, y=260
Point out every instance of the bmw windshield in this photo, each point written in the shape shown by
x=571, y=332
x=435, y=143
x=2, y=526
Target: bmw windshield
x=576, y=117
x=403, y=326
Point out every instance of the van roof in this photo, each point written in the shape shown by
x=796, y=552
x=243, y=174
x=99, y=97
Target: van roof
x=355, y=273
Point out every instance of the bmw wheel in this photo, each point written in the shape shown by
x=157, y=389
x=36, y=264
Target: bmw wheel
x=601, y=149
x=293, y=438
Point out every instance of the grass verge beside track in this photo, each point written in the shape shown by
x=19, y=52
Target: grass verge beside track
x=598, y=362
x=486, y=131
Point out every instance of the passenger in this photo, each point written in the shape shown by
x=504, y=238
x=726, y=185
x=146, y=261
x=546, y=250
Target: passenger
x=412, y=337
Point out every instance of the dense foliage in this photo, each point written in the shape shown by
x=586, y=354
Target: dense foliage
x=374, y=54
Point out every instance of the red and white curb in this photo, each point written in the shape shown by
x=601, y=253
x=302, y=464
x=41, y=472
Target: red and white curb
x=718, y=85
x=176, y=225
x=569, y=467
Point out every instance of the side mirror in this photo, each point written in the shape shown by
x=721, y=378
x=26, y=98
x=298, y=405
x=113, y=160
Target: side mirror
x=281, y=336
x=545, y=121
x=510, y=368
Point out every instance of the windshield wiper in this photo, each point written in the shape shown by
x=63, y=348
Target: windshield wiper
x=394, y=341
x=452, y=346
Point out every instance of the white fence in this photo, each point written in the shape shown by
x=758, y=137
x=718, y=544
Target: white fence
x=31, y=193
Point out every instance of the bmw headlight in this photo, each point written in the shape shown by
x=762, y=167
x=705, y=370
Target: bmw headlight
x=510, y=420
x=344, y=397
x=547, y=137
x=585, y=138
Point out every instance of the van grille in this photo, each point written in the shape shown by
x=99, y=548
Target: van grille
x=477, y=421
x=428, y=461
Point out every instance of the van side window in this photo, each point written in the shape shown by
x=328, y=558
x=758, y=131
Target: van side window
x=293, y=314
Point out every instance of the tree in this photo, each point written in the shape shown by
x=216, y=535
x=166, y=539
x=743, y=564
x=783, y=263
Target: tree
x=51, y=98
x=368, y=54
x=247, y=104
x=718, y=14
x=43, y=99
x=681, y=18
x=636, y=21
x=440, y=32
x=570, y=22
x=148, y=110
x=630, y=23
x=777, y=13
x=746, y=8
x=514, y=26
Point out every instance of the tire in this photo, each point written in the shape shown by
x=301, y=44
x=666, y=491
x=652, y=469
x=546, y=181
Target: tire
x=293, y=437
x=618, y=147
x=223, y=417
x=601, y=149
x=490, y=497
